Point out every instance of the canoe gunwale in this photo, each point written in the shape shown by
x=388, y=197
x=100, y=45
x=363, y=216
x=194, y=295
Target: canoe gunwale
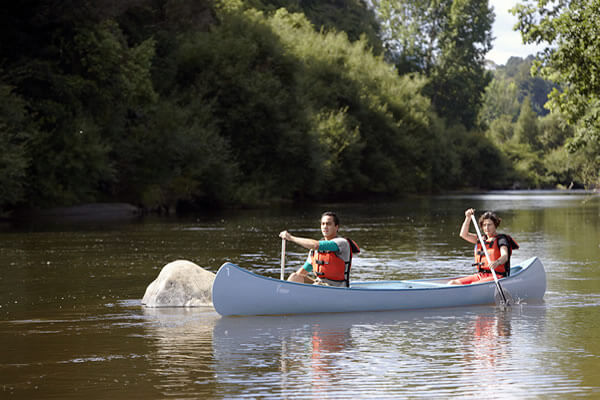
x=383, y=282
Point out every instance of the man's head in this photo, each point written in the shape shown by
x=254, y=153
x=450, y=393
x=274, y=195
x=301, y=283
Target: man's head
x=330, y=224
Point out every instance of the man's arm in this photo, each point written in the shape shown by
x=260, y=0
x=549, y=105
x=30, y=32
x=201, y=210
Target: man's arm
x=307, y=243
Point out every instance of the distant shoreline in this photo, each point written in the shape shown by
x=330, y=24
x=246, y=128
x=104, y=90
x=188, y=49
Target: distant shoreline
x=82, y=211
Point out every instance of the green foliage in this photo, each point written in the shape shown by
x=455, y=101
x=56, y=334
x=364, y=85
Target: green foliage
x=572, y=60
x=244, y=72
x=459, y=78
x=487, y=167
x=535, y=147
x=353, y=17
x=176, y=156
x=84, y=115
x=553, y=132
x=410, y=32
x=341, y=145
x=68, y=165
x=120, y=71
x=501, y=129
x=14, y=134
x=560, y=167
x=534, y=141
x=526, y=128
x=175, y=104
x=511, y=86
x=393, y=118
x=500, y=100
x=447, y=40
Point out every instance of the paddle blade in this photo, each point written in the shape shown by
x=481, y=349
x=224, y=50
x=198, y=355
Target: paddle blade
x=501, y=300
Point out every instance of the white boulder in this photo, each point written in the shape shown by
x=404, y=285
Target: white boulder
x=180, y=283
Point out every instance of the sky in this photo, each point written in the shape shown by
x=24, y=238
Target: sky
x=508, y=43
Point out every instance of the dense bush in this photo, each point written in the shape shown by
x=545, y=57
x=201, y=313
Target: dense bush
x=167, y=104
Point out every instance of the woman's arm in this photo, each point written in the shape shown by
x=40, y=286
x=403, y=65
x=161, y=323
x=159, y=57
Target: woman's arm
x=502, y=259
x=464, y=229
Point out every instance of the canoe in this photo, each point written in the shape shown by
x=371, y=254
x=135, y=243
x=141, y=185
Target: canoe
x=237, y=291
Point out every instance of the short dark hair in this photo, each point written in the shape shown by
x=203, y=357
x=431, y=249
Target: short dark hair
x=336, y=220
x=490, y=215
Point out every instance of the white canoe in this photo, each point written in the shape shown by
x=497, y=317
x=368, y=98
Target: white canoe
x=237, y=291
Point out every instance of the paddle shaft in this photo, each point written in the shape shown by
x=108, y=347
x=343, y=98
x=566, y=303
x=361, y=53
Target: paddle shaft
x=282, y=259
x=487, y=256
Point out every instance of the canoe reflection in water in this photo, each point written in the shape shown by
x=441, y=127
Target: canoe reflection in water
x=323, y=355
x=306, y=352
x=485, y=337
x=345, y=355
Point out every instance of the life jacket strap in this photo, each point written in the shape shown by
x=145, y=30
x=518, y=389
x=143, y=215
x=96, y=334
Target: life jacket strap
x=502, y=274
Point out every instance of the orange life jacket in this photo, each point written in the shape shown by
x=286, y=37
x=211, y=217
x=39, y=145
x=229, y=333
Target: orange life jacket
x=328, y=265
x=494, y=252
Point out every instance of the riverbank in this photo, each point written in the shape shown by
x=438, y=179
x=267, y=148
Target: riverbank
x=91, y=211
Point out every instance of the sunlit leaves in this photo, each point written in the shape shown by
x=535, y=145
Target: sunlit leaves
x=571, y=59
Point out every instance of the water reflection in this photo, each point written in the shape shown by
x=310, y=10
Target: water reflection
x=486, y=351
x=327, y=342
x=182, y=356
x=375, y=354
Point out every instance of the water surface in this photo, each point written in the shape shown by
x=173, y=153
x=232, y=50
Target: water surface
x=72, y=325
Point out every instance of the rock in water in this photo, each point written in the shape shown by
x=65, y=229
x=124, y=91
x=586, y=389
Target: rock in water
x=180, y=283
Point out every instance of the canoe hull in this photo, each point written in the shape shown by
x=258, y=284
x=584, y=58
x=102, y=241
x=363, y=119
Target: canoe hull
x=237, y=291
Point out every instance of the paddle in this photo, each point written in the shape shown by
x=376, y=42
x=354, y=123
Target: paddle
x=282, y=258
x=503, y=296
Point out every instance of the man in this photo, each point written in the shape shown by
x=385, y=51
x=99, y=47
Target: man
x=330, y=259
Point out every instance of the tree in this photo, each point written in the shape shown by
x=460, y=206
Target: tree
x=15, y=131
x=84, y=85
x=526, y=128
x=410, y=32
x=446, y=40
x=459, y=78
x=500, y=100
x=350, y=16
x=572, y=60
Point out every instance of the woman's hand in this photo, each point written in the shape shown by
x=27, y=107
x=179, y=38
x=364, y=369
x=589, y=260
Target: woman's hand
x=469, y=213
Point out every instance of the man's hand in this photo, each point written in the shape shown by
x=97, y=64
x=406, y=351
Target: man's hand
x=285, y=235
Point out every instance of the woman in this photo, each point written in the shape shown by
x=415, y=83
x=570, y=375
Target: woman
x=499, y=248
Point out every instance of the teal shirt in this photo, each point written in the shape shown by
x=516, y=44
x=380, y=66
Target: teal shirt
x=324, y=245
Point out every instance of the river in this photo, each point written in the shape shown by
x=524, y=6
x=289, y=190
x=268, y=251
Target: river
x=72, y=326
